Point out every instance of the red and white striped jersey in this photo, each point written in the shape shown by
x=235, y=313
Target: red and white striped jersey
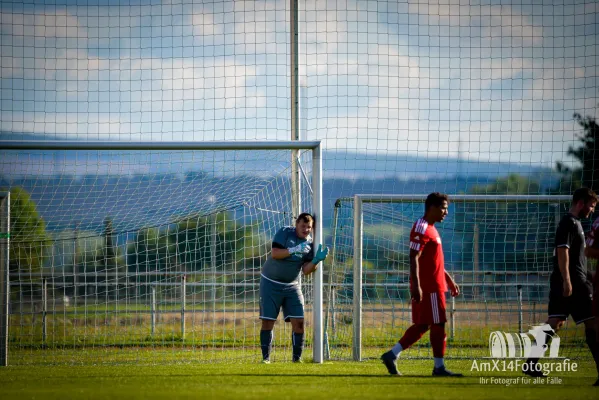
x=425, y=239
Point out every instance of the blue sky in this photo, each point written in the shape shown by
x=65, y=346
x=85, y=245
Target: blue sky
x=483, y=80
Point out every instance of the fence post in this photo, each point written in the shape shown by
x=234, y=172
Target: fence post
x=183, y=281
x=333, y=316
x=392, y=316
x=452, y=318
x=44, y=309
x=475, y=264
x=4, y=276
x=520, y=316
x=153, y=309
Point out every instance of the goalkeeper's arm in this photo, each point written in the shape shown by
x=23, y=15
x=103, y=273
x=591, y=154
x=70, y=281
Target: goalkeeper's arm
x=321, y=255
x=279, y=252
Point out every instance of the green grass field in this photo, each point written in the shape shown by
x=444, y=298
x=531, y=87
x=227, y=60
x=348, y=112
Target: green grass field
x=152, y=377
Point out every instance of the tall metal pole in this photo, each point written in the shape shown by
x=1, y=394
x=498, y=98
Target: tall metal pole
x=44, y=310
x=357, y=317
x=295, y=131
x=318, y=239
x=183, y=295
x=330, y=294
x=4, y=275
x=152, y=310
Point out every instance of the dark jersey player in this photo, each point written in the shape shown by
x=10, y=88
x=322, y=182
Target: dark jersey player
x=592, y=251
x=428, y=283
x=570, y=288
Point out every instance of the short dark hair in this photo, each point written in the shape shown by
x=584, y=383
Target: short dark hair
x=305, y=217
x=584, y=194
x=435, y=199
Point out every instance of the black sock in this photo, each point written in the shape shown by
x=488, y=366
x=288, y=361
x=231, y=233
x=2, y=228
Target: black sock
x=591, y=337
x=266, y=344
x=298, y=345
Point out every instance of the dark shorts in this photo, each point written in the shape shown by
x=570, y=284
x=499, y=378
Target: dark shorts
x=274, y=295
x=579, y=305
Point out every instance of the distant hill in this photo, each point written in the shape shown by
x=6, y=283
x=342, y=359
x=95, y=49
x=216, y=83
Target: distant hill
x=337, y=164
x=153, y=190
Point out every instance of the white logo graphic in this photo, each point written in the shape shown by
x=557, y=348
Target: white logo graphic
x=417, y=238
x=534, y=343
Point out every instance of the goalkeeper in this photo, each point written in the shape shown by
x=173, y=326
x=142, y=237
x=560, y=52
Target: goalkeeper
x=292, y=253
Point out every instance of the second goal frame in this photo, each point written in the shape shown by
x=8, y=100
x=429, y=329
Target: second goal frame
x=358, y=236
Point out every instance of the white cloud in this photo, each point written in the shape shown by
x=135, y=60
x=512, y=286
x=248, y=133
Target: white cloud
x=204, y=24
x=60, y=24
x=461, y=67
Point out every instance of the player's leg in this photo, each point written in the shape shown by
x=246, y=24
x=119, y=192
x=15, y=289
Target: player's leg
x=297, y=338
x=591, y=339
x=558, y=311
x=437, y=334
x=293, y=310
x=582, y=313
x=411, y=336
x=270, y=304
x=596, y=320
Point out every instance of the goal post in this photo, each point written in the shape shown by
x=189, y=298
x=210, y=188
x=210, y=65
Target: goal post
x=498, y=246
x=4, y=275
x=261, y=200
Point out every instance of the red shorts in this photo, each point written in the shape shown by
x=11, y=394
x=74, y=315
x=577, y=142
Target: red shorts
x=430, y=310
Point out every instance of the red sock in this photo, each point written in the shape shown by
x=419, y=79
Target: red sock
x=412, y=335
x=438, y=340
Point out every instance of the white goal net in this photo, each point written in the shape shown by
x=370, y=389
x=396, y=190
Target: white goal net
x=130, y=255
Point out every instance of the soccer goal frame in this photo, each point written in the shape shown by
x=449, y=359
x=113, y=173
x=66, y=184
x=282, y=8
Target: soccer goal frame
x=358, y=235
x=294, y=146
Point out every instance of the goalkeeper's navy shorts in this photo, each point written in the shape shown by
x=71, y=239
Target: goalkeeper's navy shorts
x=274, y=295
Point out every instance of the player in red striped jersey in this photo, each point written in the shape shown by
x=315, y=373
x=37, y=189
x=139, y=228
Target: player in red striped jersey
x=428, y=283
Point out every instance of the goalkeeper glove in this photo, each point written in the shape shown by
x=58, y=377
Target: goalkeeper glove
x=300, y=249
x=320, y=255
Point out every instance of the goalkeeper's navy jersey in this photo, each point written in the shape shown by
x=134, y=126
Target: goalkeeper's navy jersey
x=288, y=269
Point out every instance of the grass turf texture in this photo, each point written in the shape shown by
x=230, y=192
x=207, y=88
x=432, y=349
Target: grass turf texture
x=251, y=380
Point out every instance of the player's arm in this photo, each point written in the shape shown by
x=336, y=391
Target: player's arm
x=415, y=290
x=454, y=289
x=320, y=255
x=563, y=260
x=563, y=241
x=279, y=252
